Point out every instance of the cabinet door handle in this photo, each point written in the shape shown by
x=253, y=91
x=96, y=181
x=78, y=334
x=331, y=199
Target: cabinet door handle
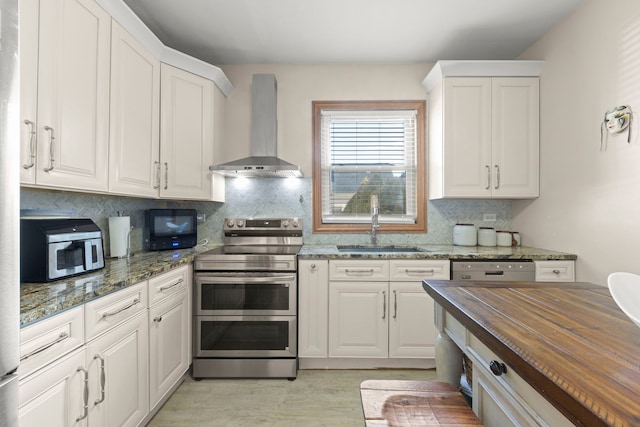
x=384, y=305
x=395, y=304
x=497, y=177
x=164, y=288
x=103, y=379
x=156, y=172
x=85, y=394
x=488, y=177
x=120, y=310
x=157, y=319
x=52, y=140
x=32, y=144
x=63, y=336
x=166, y=175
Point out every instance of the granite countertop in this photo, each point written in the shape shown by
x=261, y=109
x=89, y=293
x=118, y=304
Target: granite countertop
x=41, y=300
x=438, y=252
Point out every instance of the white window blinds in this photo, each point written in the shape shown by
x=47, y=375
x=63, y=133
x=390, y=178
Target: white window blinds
x=364, y=153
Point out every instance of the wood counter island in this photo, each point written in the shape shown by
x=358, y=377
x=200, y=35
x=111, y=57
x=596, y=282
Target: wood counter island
x=562, y=353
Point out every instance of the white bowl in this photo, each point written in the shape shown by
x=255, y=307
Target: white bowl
x=625, y=290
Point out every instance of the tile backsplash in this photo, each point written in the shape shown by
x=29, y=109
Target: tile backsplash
x=264, y=197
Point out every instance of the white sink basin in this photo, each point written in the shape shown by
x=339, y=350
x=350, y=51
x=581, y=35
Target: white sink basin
x=625, y=290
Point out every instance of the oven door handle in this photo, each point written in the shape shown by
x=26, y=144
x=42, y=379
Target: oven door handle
x=245, y=280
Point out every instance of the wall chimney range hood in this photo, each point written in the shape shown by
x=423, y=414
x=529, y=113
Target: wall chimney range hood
x=263, y=161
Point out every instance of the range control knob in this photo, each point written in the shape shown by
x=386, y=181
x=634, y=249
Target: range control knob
x=285, y=223
x=240, y=223
x=230, y=223
x=296, y=224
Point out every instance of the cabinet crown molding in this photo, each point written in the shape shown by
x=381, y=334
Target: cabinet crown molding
x=481, y=69
x=132, y=23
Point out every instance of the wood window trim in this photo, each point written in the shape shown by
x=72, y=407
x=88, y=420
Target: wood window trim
x=420, y=226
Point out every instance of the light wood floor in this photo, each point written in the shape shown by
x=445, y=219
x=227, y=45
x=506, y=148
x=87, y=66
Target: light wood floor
x=315, y=398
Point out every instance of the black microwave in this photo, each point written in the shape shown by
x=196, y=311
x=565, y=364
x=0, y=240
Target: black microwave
x=170, y=229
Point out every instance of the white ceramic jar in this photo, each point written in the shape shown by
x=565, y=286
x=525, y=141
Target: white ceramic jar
x=487, y=236
x=465, y=235
x=504, y=238
x=517, y=239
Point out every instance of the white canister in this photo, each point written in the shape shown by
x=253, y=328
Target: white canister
x=517, y=239
x=504, y=238
x=465, y=235
x=487, y=236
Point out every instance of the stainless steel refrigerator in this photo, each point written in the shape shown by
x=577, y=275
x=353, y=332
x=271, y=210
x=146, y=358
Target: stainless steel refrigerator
x=9, y=212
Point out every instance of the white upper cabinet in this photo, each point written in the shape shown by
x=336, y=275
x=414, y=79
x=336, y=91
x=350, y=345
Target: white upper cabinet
x=484, y=132
x=187, y=136
x=134, y=143
x=28, y=89
x=72, y=124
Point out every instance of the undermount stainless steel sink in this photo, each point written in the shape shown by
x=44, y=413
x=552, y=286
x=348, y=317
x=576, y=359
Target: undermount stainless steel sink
x=379, y=249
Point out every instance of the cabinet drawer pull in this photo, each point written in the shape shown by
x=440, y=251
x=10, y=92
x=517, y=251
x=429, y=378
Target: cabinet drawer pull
x=52, y=140
x=157, y=319
x=63, y=336
x=413, y=272
x=103, y=379
x=120, y=310
x=368, y=272
x=32, y=144
x=85, y=394
x=164, y=288
x=497, y=368
x=556, y=272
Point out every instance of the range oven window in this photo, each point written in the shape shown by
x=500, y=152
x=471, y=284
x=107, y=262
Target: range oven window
x=245, y=296
x=244, y=335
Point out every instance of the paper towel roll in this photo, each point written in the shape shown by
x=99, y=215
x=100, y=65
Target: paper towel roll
x=119, y=228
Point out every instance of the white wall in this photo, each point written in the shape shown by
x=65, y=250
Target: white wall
x=589, y=200
x=298, y=85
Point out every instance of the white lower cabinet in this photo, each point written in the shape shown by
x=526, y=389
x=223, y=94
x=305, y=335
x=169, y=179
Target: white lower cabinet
x=110, y=362
x=118, y=378
x=366, y=309
x=53, y=395
x=358, y=319
x=555, y=271
x=313, y=308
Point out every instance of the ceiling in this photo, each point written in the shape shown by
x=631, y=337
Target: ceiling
x=350, y=31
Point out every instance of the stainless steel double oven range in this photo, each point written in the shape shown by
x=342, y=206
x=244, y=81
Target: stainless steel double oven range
x=246, y=301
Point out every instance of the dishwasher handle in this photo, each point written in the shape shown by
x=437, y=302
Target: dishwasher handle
x=494, y=273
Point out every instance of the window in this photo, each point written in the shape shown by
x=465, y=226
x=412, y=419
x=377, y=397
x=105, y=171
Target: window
x=364, y=149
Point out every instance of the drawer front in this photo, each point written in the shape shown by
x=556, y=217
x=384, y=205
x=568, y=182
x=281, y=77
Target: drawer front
x=520, y=393
x=111, y=310
x=555, y=271
x=49, y=339
x=168, y=283
x=359, y=270
x=417, y=270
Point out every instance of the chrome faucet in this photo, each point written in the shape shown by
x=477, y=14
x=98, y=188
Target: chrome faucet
x=374, y=220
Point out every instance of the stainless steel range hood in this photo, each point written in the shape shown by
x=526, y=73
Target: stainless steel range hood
x=263, y=161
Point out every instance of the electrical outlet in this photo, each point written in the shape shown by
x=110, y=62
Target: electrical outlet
x=201, y=218
x=489, y=217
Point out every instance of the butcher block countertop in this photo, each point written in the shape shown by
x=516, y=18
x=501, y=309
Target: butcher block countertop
x=569, y=341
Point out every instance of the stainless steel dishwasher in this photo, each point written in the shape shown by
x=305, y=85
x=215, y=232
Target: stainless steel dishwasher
x=493, y=270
